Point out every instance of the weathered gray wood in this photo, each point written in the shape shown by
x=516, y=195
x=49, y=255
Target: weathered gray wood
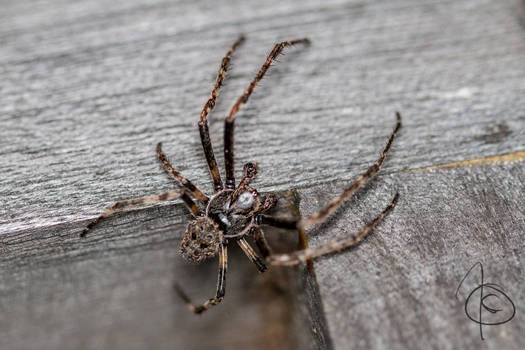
x=114, y=289
x=396, y=290
x=88, y=91
x=89, y=88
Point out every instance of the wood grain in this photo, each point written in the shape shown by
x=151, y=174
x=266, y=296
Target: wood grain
x=400, y=283
x=89, y=88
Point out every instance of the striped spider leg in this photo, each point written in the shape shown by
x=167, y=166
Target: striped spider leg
x=203, y=121
x=139, y=202
x=307, y=254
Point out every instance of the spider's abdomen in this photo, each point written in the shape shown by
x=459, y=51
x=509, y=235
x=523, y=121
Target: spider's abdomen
x=201, y=240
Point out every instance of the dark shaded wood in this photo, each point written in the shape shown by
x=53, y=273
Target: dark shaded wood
x=115, y=289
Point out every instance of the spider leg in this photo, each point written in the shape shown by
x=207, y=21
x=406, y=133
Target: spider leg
x=266, y=251
x=252, y=255
x=203, y=122
x=263, y=219
x=221, y=282
x=133, y=203
x=229, y=122
x=325, y=212
x=303, y=244
x=260, y=241
x=180, y=179
x=250, y=172
x=307, y=254
x=290, y=224
x=302, y=256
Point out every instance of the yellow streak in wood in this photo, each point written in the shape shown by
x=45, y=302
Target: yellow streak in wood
x=501, y=158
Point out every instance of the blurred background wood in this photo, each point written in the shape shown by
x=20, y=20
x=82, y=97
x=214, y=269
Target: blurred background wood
x=88, y=88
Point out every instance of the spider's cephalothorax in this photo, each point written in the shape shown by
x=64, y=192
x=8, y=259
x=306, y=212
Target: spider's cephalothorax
x=229, y=214
x=234, y=213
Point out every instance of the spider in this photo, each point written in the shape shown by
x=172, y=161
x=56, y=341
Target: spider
x=236, y=212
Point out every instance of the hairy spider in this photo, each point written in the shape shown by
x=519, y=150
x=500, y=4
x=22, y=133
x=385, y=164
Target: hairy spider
x=234, y=213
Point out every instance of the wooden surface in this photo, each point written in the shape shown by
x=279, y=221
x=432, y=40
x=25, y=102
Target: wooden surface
x=88, y=88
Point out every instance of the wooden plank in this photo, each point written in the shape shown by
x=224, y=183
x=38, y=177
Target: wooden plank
x=85, y=100
x=115, y=289
x=397, y=289
x=89, y=88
